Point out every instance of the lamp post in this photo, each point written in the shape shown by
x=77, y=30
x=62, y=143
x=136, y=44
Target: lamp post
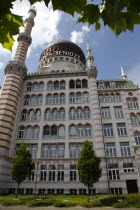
x=36, y=178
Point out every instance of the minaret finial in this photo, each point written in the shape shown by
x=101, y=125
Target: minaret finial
x=124, y=76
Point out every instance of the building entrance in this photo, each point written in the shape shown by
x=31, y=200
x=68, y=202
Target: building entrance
x=132, y=186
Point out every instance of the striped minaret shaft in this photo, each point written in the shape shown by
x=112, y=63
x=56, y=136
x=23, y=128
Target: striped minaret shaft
x=15, y=72
x=96, y=117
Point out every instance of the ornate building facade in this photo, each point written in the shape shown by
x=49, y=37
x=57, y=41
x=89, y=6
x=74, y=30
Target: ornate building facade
x=54, y=110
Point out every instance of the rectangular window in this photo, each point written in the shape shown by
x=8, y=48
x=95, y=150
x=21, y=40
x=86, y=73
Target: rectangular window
x=73, y=191
x=41, y=191
x=45, y=151
x=82, y=191
x=72, y=150
x=43, y=174
x=110, y=149
x=121, y=129
x=50, y=191
x=60, y=191
x=80, y=146
x=51, y=172
x=60, y=173
x=34, y=150
x=113, y=171
x=118, y=111
x=72, y=172
x=108, y=130
x=105, y=112
x=53, y=151
x=125, y=149
x=128, y=167
x=61, y=150
x=32, y=176
x=116, y=191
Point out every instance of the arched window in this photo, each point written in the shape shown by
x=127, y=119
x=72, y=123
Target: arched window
x=72, y=131
x=41, y=86
x=36, y=132
x=62, y=98
x=71, y=84
x=78, y=84
x=46, y=131
x=21, y=132
x=54, y=131
x=55, y=114
x=79, y=113
x=31, y=115
x=72, y=114
x=61, y=131
x=137, y=137
x=39, y=99
x=80, y=130
x=47, y=115
x=78, y=98
x=86, y=113
x=55, y=99
x=37, y=115
x=26, y=100
x=56, y=85
x=135, y=103
x=88, y=131
x=62, y=85
x=29, y=132
x=35, y=86
x=49, y=99
x=24, y=115
x=29, y=87
x=33, y=100
x=62, y=114
x=50, y=85
x=84, y=83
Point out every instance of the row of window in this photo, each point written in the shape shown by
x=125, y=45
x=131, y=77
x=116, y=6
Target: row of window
x=105, y=112
x=110, y=149
x=108, y=130
x=113, y=97
x=56, y=85
x=57, y=98
x=54, y=131
x=56, y=191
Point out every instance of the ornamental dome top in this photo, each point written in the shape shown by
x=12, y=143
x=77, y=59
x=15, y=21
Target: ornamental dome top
x=63, y=48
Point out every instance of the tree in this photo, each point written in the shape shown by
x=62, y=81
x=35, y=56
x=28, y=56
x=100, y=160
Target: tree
x=89, y=166
x=119, y=15
x=22, y=165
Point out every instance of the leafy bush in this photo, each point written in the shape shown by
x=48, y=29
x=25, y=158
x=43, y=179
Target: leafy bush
x=36, y=203
x=11, y=202
x=59, y=203
x=111, y=199
x=96, y=203
x=131, y=201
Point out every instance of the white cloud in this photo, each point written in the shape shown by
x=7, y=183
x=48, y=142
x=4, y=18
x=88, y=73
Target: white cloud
x=79, y=36
x=134, y=74
x=46, y=23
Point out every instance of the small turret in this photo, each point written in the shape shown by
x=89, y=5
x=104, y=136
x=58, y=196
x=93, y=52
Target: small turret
x=91, y=69
x=124, y=76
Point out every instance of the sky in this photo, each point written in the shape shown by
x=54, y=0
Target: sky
x=108, y=50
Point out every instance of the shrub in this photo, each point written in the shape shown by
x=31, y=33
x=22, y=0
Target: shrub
x=11, y=202
x=35, y=203
x=111, y=199
x=131, y=201
x=59, y=203
x=96, y=203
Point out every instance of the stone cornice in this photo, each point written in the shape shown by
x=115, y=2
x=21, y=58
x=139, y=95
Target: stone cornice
x=16, y=67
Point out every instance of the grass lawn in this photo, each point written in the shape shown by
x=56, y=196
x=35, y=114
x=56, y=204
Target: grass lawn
x=116, y=201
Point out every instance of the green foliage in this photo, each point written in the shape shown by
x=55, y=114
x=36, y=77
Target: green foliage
x=111, y=199
x=88, y=165
x=10, y=202
x=36, y=203
x=131, y=200
x=95, y=203
x=22, y=165
x=59, y=203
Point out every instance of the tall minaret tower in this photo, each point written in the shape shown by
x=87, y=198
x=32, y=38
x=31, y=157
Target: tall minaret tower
x=15, y=72
x=97, y=125
x=124, y=76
